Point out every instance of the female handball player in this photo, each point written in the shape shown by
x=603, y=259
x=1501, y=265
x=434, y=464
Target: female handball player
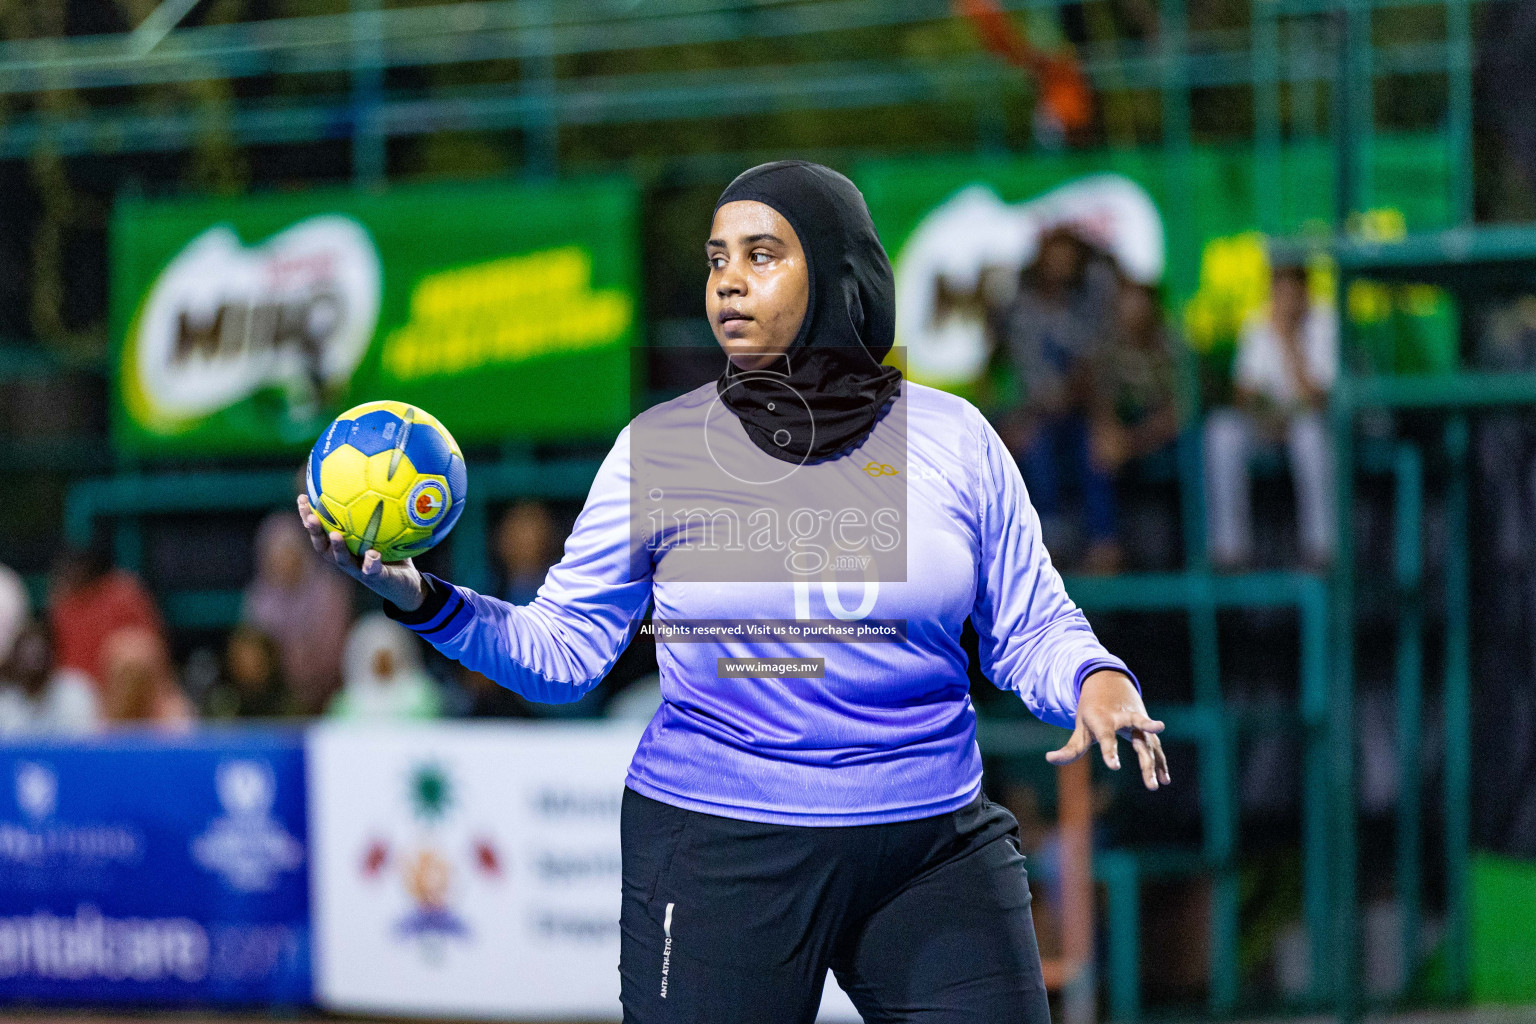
x=773, y=828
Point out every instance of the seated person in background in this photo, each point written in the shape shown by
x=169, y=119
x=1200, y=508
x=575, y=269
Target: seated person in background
x=527, y=544
x=139, y=685
x=252, y=684
x=526, y=547
x=88, y=602
x=638, y=702
x=384, y=678
x=1285, y=366
x=1050, y=331
x=303, y=606
x=15, y=609
x=486, y=698
x=36, y=697
x=1134, y=398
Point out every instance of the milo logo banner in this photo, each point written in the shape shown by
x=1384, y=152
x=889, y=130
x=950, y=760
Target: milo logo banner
x=245, y=325
x=960, y=229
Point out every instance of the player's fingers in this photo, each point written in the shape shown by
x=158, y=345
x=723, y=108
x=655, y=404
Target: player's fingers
x=312, y=525
x=341, y=556
x=373, y=565
x=1161, y=758
x=1103, y=730
x=316, y=530
x=1074, y=748
x=1142, y=743
x=1109, y=744
x=1128, y=722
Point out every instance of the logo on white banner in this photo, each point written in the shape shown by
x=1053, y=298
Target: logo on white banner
x=429, y=866
x=247, y=846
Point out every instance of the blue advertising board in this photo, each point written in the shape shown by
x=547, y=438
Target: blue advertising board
x=148, y=869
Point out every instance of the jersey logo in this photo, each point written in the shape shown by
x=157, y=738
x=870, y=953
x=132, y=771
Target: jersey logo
x=879, y=469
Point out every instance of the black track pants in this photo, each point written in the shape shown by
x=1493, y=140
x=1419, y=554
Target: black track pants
x=737, y=922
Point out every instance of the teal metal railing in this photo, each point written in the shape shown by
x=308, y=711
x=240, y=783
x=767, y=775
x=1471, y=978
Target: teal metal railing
x=1287, y=45
x=1210, y=723
x=1471, y=263
x=125, y=500
x=1409, y=575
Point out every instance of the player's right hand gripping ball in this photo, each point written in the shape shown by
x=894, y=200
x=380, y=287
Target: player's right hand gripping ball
x=387, y=476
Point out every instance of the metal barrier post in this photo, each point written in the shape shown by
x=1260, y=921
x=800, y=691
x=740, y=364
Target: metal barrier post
x=1313, y=606
x=1458, y=685
x=1268, y=164
x=470, y=542
x=1410, y=693
x=1458, y=69
x=1118, y=870
x=1344, y=944
x=368, y=136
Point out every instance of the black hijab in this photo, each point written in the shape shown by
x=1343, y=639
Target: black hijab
x=829, y=389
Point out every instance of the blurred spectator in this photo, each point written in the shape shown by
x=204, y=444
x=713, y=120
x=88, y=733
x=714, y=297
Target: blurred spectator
x=301, y=604
x=1050, y=330
x=36, y=697
x=89, y=601
x=14, y=606
x=1054, y=320
x=1507, y=342
x=1505, y=758
x=638, y=702
x=139, y=682
x=385, y=680
x=1134, y=398
x=252, y=684
x=486, y=698
x=1285, y=366
x=526, y=546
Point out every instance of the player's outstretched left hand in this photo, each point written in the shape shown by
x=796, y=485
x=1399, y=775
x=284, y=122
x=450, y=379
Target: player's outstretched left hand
x=1109, y=707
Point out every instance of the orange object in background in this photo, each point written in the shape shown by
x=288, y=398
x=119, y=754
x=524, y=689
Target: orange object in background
x=1071, y=973
x=139, y=682
x=1064, y=92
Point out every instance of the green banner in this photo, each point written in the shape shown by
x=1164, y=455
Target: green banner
x=244, y=326
x=947, y=222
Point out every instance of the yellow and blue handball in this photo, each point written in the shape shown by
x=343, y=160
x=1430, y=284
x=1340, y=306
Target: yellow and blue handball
x=389, y=477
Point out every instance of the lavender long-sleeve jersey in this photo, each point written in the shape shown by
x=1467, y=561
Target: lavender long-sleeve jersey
x=889, y=733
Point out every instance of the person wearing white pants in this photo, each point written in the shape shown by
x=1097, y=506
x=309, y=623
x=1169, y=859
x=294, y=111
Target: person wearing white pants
x=1286, y=363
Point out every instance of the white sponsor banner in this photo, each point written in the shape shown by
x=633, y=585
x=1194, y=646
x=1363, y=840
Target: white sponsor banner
x=471, y=869
x=468, y=869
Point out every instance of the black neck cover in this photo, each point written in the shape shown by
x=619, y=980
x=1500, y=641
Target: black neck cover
x=828, y=391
